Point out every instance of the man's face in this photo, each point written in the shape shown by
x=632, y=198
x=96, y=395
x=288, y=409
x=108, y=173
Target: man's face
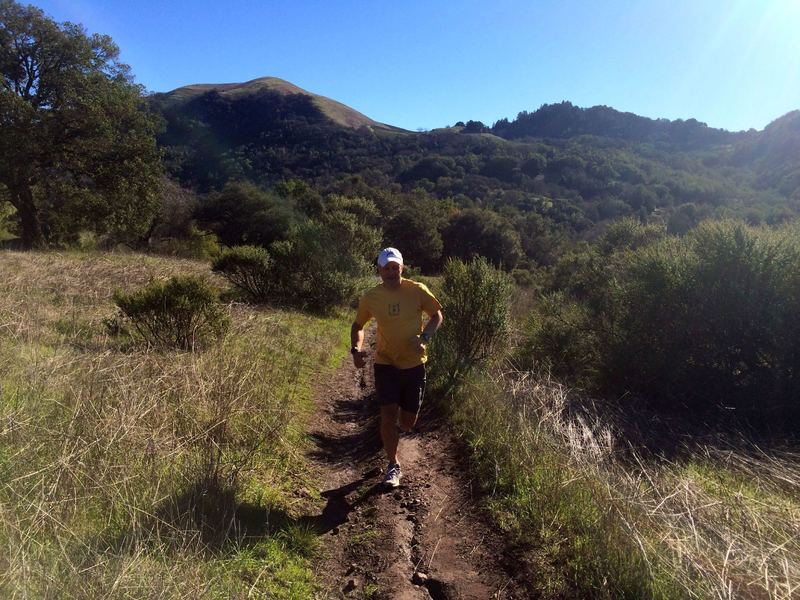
x=391, y=272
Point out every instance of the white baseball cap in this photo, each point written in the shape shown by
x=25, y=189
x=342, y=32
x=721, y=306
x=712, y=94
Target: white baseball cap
x=388, y=255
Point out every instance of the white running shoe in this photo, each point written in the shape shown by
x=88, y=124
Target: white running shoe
x=393, y=475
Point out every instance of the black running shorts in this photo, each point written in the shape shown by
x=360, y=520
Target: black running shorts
x=404, y=387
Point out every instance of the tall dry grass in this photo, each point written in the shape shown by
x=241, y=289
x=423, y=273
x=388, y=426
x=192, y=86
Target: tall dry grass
x=130, y=473
x=721, y=519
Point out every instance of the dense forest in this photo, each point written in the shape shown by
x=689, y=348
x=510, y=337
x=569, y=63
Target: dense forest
x=558, y=172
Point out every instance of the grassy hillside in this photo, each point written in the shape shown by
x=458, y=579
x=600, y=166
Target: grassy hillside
x=117, y=462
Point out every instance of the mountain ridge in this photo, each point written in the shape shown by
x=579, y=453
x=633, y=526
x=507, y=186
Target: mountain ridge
x=339, y=113
x=573, y=166
x=576, y=120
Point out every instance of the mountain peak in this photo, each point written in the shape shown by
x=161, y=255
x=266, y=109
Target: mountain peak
x=790, y=122
x=337, y=112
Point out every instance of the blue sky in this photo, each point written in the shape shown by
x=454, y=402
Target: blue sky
x=733, y=64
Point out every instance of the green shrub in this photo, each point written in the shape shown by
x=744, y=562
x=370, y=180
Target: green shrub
x=248, y=268
x=194, y=244
x=583, y=274
x=244, y=214
x=696, y=323
x=6, y=218
x=317, y=268
x=338, y=251
x=482, y=232
x=560, y=337
x=651, y=351
x=524, y=278
x=179, y=313
x=475, y=300
x=711, y=319
x=629, y=234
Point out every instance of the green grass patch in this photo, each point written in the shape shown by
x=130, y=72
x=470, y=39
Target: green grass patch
x=364, y=538
x=546, y=500
x=132, y=473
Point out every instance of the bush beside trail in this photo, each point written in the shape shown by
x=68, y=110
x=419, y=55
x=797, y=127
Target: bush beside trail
x=248, y=268
x=475, y=299
x=318, y=264
x=701, y=324
x=587, y=510
x=183, y=312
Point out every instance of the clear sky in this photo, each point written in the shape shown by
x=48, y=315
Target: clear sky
x=733, y=64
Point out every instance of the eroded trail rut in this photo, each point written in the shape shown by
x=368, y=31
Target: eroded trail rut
x=426, y=539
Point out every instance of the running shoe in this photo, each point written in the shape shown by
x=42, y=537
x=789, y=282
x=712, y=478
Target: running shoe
x=393, y=475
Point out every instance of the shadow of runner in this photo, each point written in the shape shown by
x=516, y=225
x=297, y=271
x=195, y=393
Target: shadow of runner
x=339, y=506
x=350, y=448
x=355, y=434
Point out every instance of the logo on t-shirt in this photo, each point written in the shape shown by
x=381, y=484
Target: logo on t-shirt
x=394, y=309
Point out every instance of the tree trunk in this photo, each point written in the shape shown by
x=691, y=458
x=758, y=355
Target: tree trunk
x=22, y=199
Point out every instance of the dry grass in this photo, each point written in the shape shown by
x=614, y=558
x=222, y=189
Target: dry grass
x=730, y=517
x=129, y=473
x=721, y=522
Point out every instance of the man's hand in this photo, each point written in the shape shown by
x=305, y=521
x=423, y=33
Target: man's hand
x=356, y=342
x=359, y=359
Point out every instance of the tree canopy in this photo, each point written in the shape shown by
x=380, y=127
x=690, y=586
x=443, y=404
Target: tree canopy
x=77, y=150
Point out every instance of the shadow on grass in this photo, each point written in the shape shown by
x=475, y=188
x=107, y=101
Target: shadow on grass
x=209, y=520
x=673, y=433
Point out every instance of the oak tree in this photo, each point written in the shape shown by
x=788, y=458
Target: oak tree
x=77, y=148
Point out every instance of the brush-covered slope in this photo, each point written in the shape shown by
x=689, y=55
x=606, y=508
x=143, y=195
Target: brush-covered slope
x=565, y=120
x=775, y=154
x=575, y=167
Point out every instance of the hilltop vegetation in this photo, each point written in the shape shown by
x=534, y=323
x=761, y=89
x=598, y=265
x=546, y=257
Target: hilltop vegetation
x=572, y=167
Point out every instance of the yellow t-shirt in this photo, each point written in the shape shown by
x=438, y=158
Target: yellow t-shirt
x=399, y=316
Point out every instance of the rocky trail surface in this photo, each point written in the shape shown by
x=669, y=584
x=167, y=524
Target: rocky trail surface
x=425, y=539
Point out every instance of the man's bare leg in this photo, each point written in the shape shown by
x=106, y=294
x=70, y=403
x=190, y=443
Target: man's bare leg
x=407, y=420
x=389, y=434
x=389, y=423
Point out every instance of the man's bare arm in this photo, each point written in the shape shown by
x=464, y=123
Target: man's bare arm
x=356, y=335
x=435, y=321
x=357, y=342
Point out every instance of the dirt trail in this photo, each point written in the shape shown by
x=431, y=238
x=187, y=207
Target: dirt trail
x=426, y=539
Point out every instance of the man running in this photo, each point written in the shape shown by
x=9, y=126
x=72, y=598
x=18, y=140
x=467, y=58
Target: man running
x=397, y=305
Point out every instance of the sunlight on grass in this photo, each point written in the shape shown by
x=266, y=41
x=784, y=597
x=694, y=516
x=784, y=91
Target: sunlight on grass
x=134, y=473
x=600, y=519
